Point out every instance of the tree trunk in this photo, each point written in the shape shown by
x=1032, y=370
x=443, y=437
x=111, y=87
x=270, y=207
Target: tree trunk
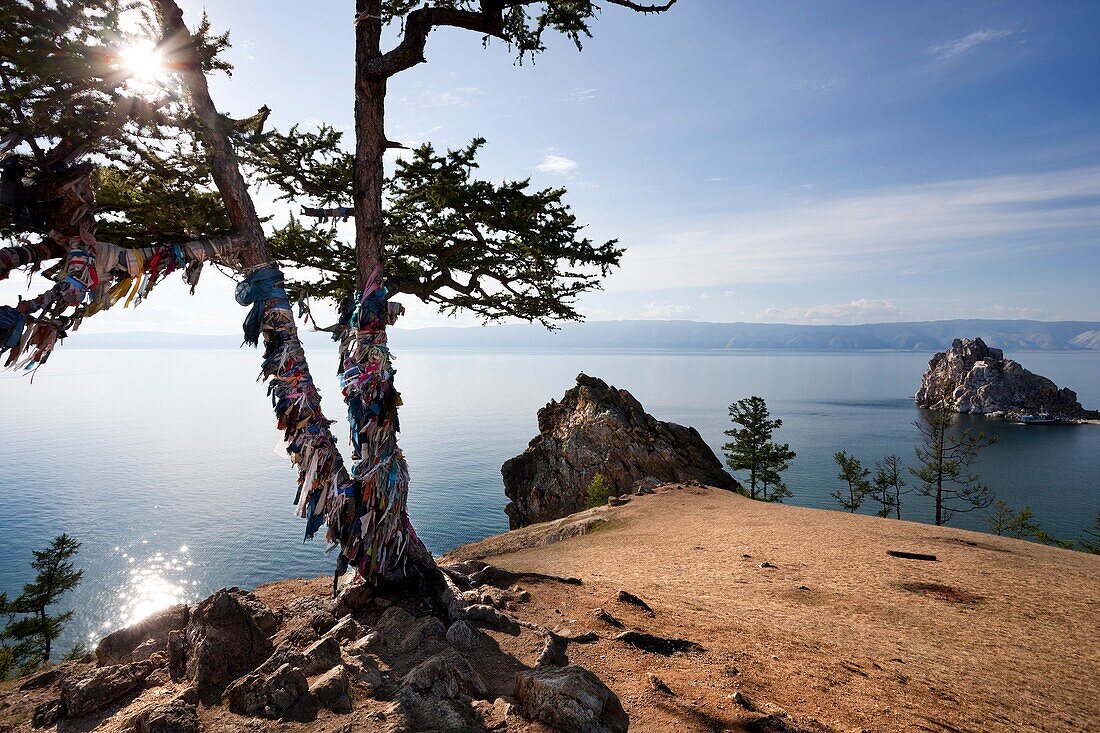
x=370, y=141
x=416, y=565
x=939, y=473
x=323, y=479
x=47, y=642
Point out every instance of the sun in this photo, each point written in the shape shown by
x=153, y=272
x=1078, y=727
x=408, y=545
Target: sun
x=143, y=61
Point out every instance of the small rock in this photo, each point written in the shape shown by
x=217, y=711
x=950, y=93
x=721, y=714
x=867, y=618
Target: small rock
x=283, y=693
x=498, y=715
x=607, y=618
x=346, y=630
x=633, y=600
x=177, y=654
x=321, y=657
x=553, y=652
x=331, y=690
x=174, y=716
x=354, y=597
x=492, y=618
x=463, y=636
x=617, y=500
x=647, y=485
x=46, y=713
x=741, y=699
x=445, y=675
x=570, y=699
x=423, y=630
x=41, y=680
x=659, y=685
x=767, y=564
x=147, y=649
x=665, y=646
x=364, y=672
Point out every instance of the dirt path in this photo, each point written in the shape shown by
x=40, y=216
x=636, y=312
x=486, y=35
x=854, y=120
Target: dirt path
x=996, y=635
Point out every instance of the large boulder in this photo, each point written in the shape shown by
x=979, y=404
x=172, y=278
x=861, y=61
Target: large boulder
x=570, y=699
x=225, y=641
x=599, y=429
x=117, y=647
x=975, y=378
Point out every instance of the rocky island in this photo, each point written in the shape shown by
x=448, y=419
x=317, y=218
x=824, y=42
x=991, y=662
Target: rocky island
x=979, y=380
x=596, y=428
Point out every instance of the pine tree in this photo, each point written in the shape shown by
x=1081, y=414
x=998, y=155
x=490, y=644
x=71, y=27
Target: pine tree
x=1004, y=520
x=752, y=448
x=887, y=485
x=776, y=460
x=32, y=627
x=944, y=459
x=854, y=475
x=597, y=493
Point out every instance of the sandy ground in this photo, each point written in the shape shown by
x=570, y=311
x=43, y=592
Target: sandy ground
x=996, y=635
x=831, y=634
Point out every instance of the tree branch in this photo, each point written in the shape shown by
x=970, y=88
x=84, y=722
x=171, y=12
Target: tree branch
x=420, y=23
x=182, y=56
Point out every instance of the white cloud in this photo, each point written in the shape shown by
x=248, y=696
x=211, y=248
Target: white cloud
x=704, y=296
x=667, y=311
x=857, y=311
x=959, y=46
x=582, y=95
x=558, y=165
x=924, y=228
x=821, y=86
x=457, y=97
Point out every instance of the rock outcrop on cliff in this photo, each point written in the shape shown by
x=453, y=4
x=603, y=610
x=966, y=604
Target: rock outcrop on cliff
x=978, y=379
x=599, y=429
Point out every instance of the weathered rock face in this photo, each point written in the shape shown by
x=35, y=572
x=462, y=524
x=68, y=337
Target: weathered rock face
x=118, y=648
x=225, y=641
x=101, y=687
x=599, y=429
x=979, y=380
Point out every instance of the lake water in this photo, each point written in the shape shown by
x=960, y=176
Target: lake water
x=167, y=466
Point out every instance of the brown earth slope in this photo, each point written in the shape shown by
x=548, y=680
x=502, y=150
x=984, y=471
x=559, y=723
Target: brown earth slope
x=996, y=635
x=804, y=623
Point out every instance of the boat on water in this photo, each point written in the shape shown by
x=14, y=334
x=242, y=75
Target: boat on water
x=1041, y=418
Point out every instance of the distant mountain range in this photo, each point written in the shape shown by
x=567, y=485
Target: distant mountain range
x=690, y=335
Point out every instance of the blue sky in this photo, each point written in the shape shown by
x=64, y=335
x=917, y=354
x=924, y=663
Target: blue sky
x=812, y=162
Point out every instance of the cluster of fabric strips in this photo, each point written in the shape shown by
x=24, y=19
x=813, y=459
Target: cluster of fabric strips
x=375, y=541
x=365, y=511
x=322, y=477
x=334, y=214
x=93, y=276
